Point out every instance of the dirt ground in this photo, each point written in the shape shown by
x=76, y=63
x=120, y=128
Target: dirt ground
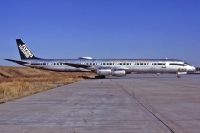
x=16, y=82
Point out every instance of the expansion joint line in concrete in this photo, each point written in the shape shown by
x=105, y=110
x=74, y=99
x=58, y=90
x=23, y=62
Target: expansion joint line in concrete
x=145, y=107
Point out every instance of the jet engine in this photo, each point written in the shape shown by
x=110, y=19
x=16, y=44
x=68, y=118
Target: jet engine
x=104, y=72
x=107, y=72
x=118, y=73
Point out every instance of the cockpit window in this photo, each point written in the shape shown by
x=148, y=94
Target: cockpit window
x=186, y=63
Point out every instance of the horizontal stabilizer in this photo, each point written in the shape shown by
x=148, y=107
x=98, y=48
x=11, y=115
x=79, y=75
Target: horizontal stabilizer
x=18, y=62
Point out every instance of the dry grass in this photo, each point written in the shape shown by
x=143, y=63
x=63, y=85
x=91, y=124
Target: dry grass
x=16, y=82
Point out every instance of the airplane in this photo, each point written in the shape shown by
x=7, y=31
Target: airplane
x=102, y=67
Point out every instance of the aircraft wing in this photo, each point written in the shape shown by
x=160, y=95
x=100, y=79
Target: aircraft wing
x=77, y=65
x=93, y=68
x=112, y=67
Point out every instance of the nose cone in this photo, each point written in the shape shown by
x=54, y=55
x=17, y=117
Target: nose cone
x=194, y=69
x=191, y=69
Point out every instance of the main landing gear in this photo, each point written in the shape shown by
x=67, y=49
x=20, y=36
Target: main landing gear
x=100, y=77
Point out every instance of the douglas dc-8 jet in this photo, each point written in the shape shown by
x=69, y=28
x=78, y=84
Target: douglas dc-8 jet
x=102, y=67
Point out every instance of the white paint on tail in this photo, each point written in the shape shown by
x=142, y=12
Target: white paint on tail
x=26, y=51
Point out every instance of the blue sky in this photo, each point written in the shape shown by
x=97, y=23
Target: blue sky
x=102, y=28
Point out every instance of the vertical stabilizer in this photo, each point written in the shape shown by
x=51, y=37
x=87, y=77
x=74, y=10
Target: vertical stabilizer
x=24, y=52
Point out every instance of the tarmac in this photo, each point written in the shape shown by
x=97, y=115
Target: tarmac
x=135, y=104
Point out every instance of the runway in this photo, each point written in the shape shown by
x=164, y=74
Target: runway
x=143, y=103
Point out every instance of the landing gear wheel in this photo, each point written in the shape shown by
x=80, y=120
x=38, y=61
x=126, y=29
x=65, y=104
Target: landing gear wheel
x=100, y=77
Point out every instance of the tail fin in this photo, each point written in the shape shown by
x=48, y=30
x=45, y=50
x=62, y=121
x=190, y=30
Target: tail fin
x=24, y=52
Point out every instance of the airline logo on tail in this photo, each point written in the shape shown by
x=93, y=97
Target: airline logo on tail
x=26, y=51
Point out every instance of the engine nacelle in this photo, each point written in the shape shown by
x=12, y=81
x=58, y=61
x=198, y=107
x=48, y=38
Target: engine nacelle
x=104, y=72
x=118, y=73
x=107, y=72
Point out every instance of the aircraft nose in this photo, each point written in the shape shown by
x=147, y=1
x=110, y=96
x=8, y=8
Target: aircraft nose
x=192, y=69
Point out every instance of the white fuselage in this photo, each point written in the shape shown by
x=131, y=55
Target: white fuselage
x=102, y=67
x=129, y=65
